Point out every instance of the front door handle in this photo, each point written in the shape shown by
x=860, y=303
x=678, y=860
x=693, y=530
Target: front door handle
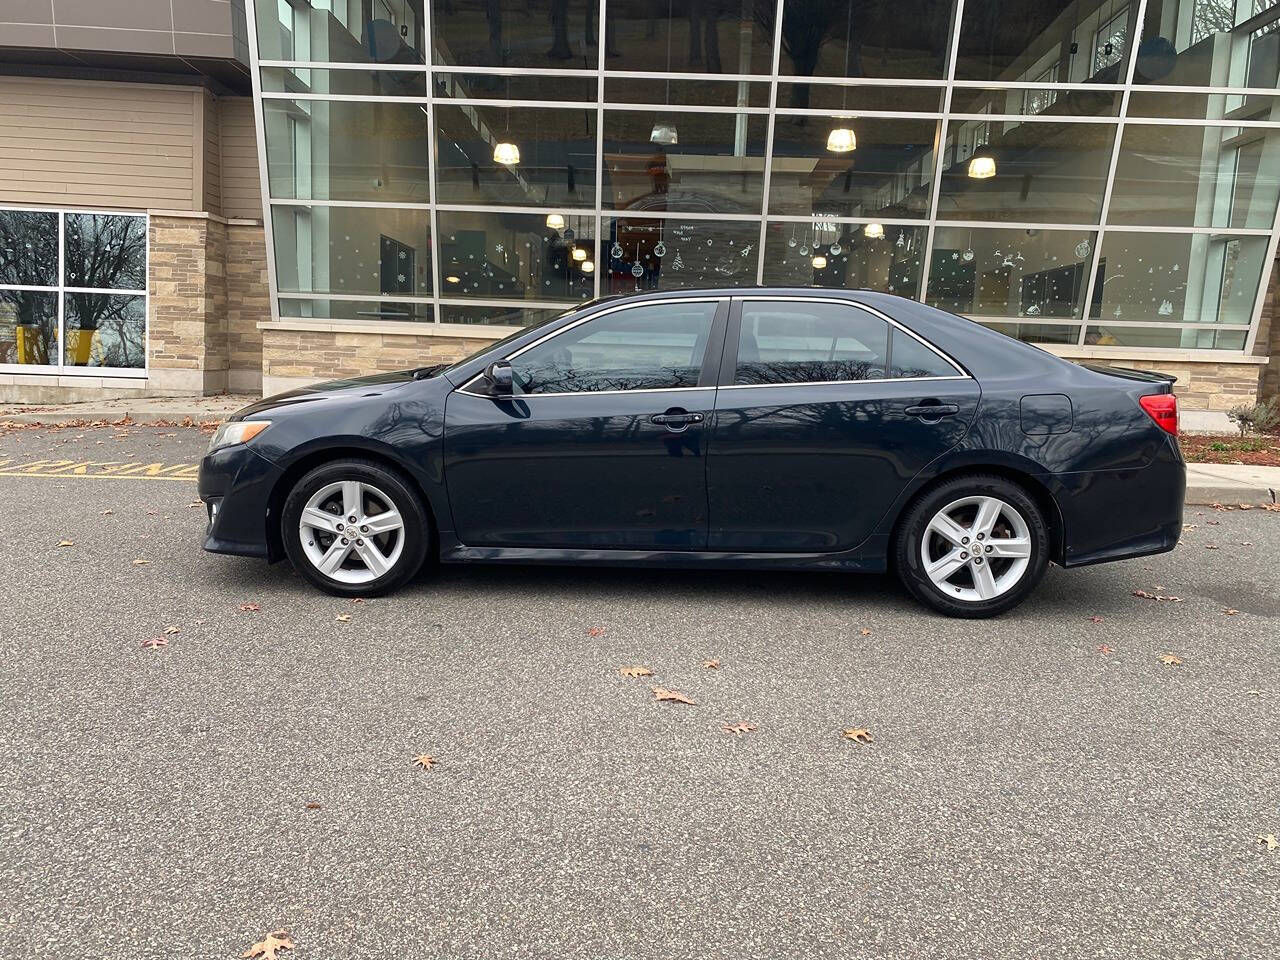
x=932, y=411
x=675, y=419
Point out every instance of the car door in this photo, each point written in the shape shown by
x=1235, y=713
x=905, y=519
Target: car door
x=825, y=412
x=602, y=444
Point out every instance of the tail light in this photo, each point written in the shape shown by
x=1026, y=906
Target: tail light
x=1163, y=409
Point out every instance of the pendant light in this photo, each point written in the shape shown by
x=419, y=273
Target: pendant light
x=555, y=221
x=579, y=253
x=664, y=133
x=504, y=151
x=588, y=266
x=843, y=139
x=819, y=262
x=982, y=165
x=873, y=231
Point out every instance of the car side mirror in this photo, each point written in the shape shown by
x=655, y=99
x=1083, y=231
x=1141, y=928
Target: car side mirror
x=501, y=378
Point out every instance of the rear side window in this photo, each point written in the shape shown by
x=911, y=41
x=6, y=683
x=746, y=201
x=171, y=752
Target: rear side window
x=652, y=347
x=794, y=342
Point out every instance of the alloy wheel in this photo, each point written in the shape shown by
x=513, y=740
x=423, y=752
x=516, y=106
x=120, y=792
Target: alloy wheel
x=976, y=548
x=351, y=532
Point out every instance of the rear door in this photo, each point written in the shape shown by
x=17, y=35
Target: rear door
x=825, y=412
x=603, y=444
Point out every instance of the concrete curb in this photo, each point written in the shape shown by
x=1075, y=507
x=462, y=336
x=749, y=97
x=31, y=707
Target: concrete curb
x=1229, y=494
x=138, y=417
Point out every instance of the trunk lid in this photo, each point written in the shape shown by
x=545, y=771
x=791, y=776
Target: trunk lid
x=1163, y=381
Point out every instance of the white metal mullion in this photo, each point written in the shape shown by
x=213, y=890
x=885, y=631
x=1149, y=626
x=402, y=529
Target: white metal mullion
x=62, y=278
x=260, y=135
x=771, y=125
x=433, y=188
x=600, y=251
x=1264, y=281
x=940, y=151
x=1091, y=279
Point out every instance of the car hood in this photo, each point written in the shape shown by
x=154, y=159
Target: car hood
x=373, y=385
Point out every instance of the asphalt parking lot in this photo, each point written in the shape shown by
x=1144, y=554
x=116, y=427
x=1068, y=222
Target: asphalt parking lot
x=1041, y=786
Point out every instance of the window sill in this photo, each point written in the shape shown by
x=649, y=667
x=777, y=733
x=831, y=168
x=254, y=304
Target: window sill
x=470, y=331
x=1168, y=354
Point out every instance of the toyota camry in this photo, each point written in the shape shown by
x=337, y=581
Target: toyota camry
x=845, y=431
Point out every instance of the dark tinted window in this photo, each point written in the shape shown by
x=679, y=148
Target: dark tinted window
x=911, y=358
x=809, y=343
x=653, y=347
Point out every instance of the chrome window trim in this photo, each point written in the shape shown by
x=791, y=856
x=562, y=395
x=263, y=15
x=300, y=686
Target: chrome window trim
x=716, y=299
x=836, y=383
x=961, y=372
x=573, y=393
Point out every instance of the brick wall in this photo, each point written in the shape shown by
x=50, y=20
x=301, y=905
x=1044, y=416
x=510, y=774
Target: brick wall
x=1268, y=342
x=187, y=351
x=1206, y=386
x=248, y=304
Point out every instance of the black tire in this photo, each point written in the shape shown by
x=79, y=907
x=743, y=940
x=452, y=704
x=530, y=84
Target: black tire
x=381, y=483
x=909, y=561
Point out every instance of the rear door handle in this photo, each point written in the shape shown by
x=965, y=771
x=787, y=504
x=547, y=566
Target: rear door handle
x=932, y=411
x=675, y=419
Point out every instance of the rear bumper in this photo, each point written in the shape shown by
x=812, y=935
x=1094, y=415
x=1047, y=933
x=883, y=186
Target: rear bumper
x=1118, y=514
x=235, y=483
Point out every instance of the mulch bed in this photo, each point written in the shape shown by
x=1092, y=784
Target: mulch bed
x=1261, y=450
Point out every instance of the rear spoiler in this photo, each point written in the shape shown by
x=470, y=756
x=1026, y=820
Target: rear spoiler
x=1128, y=373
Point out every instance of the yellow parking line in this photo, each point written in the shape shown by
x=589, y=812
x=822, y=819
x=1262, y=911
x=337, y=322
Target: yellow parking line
x=100, y=469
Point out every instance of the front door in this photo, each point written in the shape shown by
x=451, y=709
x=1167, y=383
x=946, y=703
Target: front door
x=602, y=445
x=825, y=413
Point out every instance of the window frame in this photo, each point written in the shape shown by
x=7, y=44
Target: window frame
x=711, y=356
x=729, y=358
x=61, y=368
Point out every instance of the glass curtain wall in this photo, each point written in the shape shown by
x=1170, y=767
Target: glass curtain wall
x=1087, y=172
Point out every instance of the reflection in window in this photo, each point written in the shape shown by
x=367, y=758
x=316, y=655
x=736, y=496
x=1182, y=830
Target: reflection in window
x=694, y=37
x=352, y=250
x=700, y=162
x=908, y=357
x=814, y=342
x=1039, y=332
x=549, y=157
x=887, y=173
x=105, y=251
x=657, y=347
x=517, y=256
x=105, y=330
x=347, y=150
x=29, y=247
x=1196, y=176
x=670, y=253
x=402, y=311
x=511, y=33
x=1017, y=40
x=855, y=38
x=1111, y=335
x=1203, y=43
x=1044, y=173
x=855, y=256
x=28, y=327
x=1178, y=277
x=1010, y=273
x=369, y=83
x=496, y=316
x=340, y=31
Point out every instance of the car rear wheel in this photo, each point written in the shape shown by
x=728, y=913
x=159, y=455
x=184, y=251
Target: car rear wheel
x=974, y=546
x=354, y=528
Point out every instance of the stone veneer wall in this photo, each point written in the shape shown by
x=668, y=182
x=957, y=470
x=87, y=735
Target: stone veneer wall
x=293, y=357
x=208, y=292
x=1268, y=340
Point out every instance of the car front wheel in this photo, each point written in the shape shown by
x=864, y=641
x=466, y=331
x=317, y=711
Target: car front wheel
x=973, y=547
x=354, y=528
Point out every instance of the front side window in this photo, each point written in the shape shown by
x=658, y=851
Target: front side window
x=654, y=347
x=73, y=289
x=790, y=342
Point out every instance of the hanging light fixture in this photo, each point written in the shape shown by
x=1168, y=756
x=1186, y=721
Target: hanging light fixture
x=982, y=165
x=588, y=266
x=506, y=153
x=664, y=133
x=555, y=221
x=452, y=279
x=842, y=140
x=579, y=253
x=873, y=231
x=819, y=262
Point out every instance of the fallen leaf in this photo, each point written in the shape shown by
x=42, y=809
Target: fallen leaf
x=1268, y=840
x=1104, y=648
x=343, y=618
x=172, y=630
x=1272, y=507
x=866, y=631
x=635, y=672
x=1253, y=693
x=1245, y=543
x=738, y=727
x=1095, y=619
x=1171, y=659
x=1155, y=596
x=857, y=734
x=108, y=512
x=141, y=563
x=712, y=664
x=196, y=503
x=661, y=693
x=425, y=761
x=1211, y=546
x=66, y=543
x=312, y=805
x=1231, y=611
x=266, y=947
x=595, y=632
x=1189, y=526
x=155, y=642
x=1215, y=523
x=1246, y=506
x=250, y=607
x=357, y=599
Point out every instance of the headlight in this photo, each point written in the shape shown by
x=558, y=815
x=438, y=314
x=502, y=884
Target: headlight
x=237, y=431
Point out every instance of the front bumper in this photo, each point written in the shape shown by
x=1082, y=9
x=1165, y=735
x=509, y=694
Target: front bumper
x=235, y=483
